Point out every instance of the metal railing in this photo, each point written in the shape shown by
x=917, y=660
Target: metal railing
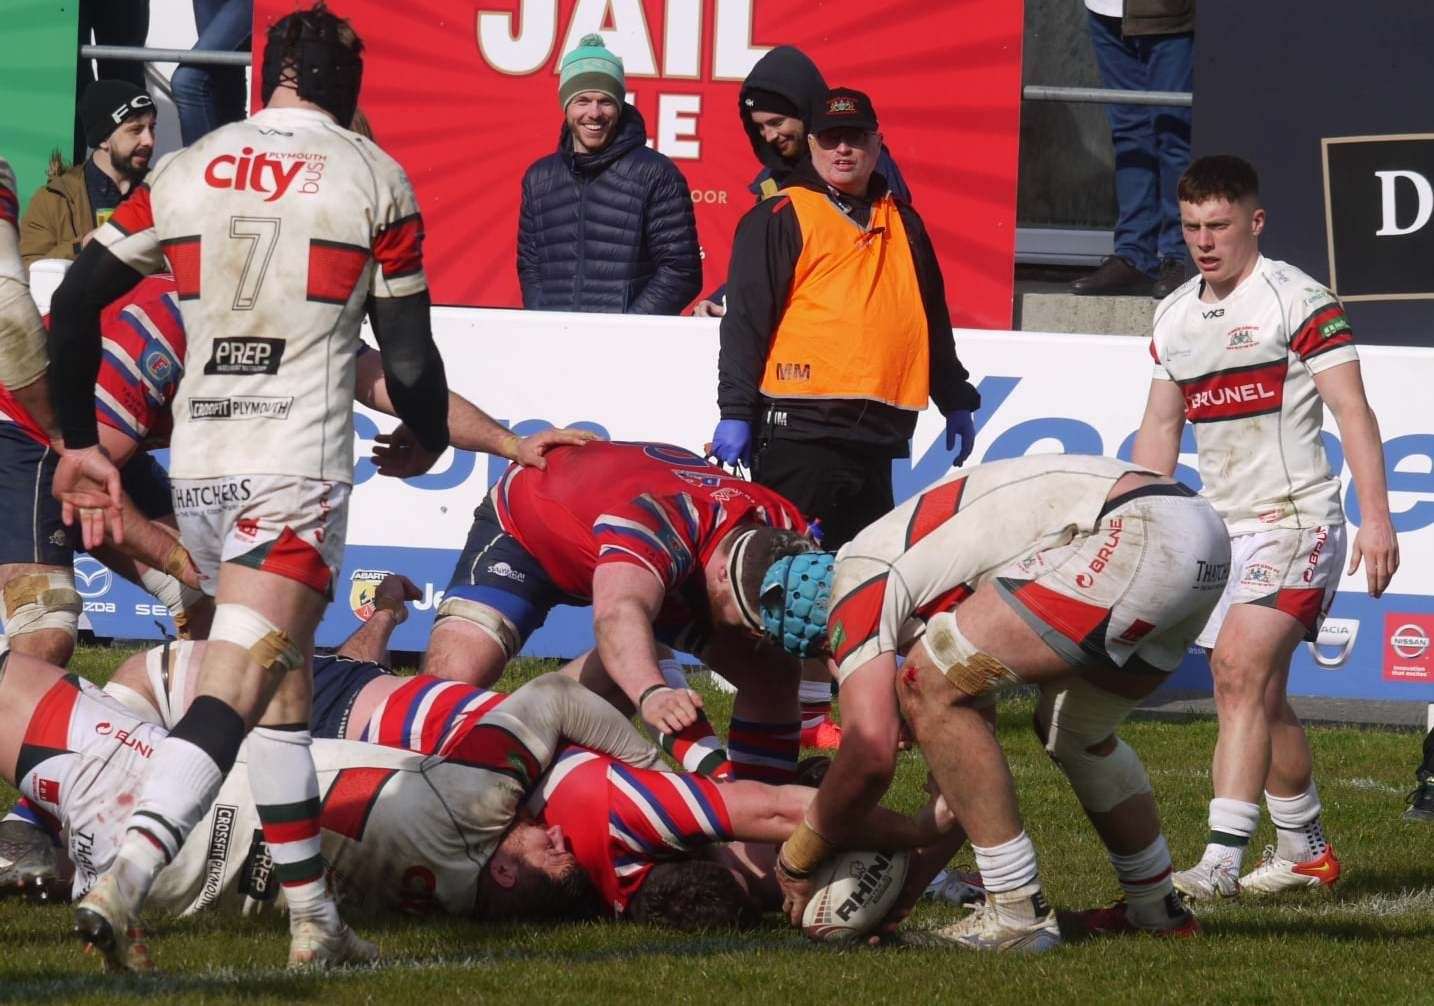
x=1031, y=92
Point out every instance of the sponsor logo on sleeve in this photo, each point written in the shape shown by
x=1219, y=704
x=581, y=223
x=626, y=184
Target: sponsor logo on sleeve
x=1407, y=656
x=245, y=355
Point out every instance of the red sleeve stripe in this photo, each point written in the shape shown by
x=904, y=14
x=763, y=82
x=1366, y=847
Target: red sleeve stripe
x=856, y=618
x=134, y=214
x=398, y=248
x=334, y=270
x=1237, y=393
x=183, y=255
x=1326, y=329
x=933, y=509
x=351, y=800
x=947, y=601
x=9, y=207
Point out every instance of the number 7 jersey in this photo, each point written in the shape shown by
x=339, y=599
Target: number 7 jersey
x=277, y=229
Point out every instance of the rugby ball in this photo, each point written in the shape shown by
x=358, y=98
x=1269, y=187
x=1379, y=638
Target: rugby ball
x=855, y=891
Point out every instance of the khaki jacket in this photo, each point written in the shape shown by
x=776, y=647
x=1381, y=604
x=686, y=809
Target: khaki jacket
x=59, y=215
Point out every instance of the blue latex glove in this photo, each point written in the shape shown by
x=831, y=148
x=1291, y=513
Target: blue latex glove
x=732, y=442
x=959, y=423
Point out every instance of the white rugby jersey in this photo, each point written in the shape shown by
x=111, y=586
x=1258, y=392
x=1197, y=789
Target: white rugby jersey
x=934, y=550
x=1246, y=367
x=10, y=265
x=276, y=229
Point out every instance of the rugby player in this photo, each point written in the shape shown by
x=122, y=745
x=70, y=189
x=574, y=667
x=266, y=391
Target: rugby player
x=1250, y=351
x=279, y=231
x=655, y=538
x=1085, y=576
x=22, y=337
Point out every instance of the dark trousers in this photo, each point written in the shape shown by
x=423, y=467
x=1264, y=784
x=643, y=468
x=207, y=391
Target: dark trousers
x=110, y=22
x=846, y=486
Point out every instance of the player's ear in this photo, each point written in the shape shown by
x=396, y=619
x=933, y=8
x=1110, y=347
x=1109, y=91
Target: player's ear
x=503, y=868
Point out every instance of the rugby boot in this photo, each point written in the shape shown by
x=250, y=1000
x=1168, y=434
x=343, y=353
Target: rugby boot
x=824, y=736
x=1421, y=802
x=1019, y=921
x=105, y=920
x=1276, y=874
x=1114, y=920
x=29, y=863
x=312, y=945
x=1209, y=880
x=956, y=887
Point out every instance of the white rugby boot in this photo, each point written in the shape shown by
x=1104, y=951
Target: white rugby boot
x=1019, y=921
x=1209, y=880
x=1276, y=874
x=105, y=920
x=312, y=945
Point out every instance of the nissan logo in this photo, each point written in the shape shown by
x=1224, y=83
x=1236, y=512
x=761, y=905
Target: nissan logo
x=1409, y=641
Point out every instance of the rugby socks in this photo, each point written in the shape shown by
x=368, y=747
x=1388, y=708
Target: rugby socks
x=1299, y=833
x=286, y=794
x=816, y=700
x=695, y=747
x=185, y=774
x=1145, y=878
x=1232, y=822
x=765, y=752
x=1013, y=887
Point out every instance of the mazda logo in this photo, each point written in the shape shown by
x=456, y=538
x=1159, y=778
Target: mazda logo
x=92, y=577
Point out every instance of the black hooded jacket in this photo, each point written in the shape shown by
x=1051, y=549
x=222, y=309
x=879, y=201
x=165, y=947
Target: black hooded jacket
x=608, y=232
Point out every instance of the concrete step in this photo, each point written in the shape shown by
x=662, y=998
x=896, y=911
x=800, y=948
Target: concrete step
x=1045, y=311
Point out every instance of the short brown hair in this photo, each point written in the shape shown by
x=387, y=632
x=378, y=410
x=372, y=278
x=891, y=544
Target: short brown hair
x=692, y=895
x=1219, y=176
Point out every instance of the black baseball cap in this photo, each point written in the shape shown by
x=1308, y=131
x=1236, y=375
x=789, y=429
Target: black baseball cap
x=843, y=108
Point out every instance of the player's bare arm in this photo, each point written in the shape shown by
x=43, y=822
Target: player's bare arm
x=143, y=539
x=1157, y=442
x=97, y=278
x=370, y=641
x=626, y=599
x=1375, y=544
x=469, y=428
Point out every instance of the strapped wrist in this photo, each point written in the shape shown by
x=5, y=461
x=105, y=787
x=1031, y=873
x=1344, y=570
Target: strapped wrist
x=803, y=852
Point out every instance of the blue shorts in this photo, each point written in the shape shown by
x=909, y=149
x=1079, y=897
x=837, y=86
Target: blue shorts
x=337, y=682
x=497, y=571
x=32, y=530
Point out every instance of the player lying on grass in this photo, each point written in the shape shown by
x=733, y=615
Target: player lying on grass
x=1083, y=575
x=655, y=538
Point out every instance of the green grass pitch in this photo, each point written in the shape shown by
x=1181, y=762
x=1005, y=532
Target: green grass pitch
x=1372, y=942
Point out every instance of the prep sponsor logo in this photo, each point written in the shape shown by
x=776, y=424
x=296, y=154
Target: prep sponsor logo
x=256, y=876
x=221, y=834
x=247, y=355
x=240, y=407
x=362, y=586
x=1407, y=655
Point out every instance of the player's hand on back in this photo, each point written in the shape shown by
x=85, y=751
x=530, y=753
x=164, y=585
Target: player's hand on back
x=399, y=455
x=87, y=484
x=529, y=451
x=1377, y=546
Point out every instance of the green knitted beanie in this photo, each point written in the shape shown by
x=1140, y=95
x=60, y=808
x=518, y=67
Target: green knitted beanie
x=591, y=67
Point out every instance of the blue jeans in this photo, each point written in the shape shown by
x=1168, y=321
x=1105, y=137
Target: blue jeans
x=210, y=96
x=1152, y=144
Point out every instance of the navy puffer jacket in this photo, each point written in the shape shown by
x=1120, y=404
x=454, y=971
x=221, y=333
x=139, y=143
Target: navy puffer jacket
x=610, y=232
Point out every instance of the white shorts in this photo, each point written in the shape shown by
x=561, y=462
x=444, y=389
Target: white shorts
x=1294, y=570
x=292, y=527
x=83, y=762
x=1142, y=585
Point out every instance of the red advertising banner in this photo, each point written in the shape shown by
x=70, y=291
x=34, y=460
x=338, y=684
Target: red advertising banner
x=465, y=96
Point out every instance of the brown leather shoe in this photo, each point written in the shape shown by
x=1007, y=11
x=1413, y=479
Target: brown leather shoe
x=1115, y=276
x=1173, y=273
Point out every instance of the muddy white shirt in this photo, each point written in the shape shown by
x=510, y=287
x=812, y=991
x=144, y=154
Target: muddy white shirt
x=10, y=265
x=276, y=229
x=1245, y=366
x=934, y=550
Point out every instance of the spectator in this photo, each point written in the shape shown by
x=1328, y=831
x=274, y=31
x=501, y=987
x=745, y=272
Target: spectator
x=1144, y=45
x=606, y=224
x=109, y=22
x=1421, y=800
x=118, y=120
x=832, y=345
x=210, y=96
x=775, y=104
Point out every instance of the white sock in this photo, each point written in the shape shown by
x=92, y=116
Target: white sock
x=183, y=781
x=286, y=795
x=1007, y=866
x=1299, y=834
x=1232, y=822
x=1145, y=879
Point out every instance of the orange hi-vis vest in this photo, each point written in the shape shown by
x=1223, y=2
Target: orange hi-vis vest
x=854, y=325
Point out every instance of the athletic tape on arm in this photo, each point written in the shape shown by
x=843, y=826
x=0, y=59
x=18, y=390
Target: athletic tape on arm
x=22, y=335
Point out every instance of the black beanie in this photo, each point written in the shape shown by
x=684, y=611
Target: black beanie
x=106, y=104
x=756, y=99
